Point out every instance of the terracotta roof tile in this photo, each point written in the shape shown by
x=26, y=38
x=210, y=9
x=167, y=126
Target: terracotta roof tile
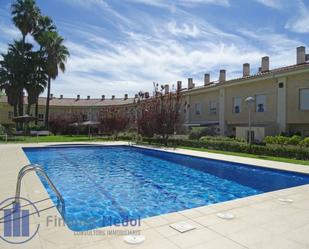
x=78, y=103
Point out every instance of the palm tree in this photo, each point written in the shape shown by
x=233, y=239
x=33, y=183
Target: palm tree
x=25, y=15
x=37, y=81
x=45, y=24
x=56, y=55
x=14, y=73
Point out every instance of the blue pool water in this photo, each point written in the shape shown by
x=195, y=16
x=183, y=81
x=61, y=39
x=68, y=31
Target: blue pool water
x=102, y=185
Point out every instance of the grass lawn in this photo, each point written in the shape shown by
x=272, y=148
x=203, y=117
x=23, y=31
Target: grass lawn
x=271, y=158
x=85, y=138
x=57, y=138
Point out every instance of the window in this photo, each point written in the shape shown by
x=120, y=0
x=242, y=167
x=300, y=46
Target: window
x=304, y=99
x=10, y=115
x=213, y=107
x=41, y=117
x=260, y=102
x=198, y=109
x=237, y=105
x=84, y=117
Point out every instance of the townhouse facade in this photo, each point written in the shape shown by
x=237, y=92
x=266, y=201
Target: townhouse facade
x=280, y=102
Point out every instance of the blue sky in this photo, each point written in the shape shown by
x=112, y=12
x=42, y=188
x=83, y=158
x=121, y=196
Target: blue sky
x=122, y=46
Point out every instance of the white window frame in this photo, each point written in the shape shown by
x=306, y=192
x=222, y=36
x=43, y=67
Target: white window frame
x=257, y=103
x=235, y=105
x=305, y=106
x=213, y=107
x=198, y=109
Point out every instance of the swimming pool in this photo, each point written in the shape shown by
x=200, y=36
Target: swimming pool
x=103, y=185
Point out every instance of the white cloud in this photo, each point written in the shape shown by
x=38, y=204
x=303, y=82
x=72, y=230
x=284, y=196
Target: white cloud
x=277, y=4
x=9, y=31
x=187, y=3
x=141, y=48
x=187, y=30
x=300, y=23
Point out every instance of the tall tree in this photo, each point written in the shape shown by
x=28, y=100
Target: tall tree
x=15, y=72
x=25, y=16
x=56, y=56
x=37, y=81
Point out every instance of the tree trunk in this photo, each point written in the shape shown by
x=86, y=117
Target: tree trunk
x=21, y=104
x=15, y=110
x=28, y=108
x=20, y=108
x=47, y=104
x=36, y=111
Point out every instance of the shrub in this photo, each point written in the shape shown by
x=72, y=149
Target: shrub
x=199, y=132
x=2, y=130
x=281, y=140
x=221, y=138
x=294, y=140
x=235, y=146
x=305, y=142
x=36, y=127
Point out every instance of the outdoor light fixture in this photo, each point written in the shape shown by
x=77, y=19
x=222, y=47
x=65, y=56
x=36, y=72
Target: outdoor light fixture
x=250, y=101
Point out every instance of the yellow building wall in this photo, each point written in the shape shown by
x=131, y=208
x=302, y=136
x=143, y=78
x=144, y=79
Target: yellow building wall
x=264, y=87
x=294, y=84
x=204, y=99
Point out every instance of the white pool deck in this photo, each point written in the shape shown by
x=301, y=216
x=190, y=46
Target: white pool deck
x=261, y=221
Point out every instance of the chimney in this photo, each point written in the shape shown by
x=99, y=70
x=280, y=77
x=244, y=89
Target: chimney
x=206, y=79
x=102, y=97
x=126, y=96
x=78, y=97
x=265, y=64
x=246, y=70
x=190, y=83
x=179, y=85
x=222, y=76
x=166, y=89
x=88, y=97
x=301, y=55
x=113, y=96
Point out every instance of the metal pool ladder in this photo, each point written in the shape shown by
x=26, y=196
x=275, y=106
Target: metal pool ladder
x=37, y=168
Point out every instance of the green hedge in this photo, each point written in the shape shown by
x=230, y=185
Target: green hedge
x=296, y=153
x=283, y=140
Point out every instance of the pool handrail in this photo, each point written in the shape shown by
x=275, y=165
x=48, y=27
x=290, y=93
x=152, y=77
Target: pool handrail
x=37, y=168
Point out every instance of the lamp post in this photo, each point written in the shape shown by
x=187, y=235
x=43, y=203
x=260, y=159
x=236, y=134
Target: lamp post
x=250, y=101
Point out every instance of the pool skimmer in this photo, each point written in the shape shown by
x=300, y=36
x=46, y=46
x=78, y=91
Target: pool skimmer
x=182, y=227
x=226, y=216
x=134, y=239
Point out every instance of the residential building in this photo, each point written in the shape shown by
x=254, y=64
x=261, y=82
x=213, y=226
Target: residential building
x=281, y=102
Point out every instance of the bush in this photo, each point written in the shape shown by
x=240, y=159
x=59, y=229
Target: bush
x=283, y=140
x=2, y=130
x=36, y=128
x=127, y=136
x=305, y=142
x=294, y=140
x=287, y=152
x=199, y=132
x=221, y=138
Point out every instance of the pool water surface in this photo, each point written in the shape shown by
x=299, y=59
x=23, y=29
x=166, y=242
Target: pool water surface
x=103, y=185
